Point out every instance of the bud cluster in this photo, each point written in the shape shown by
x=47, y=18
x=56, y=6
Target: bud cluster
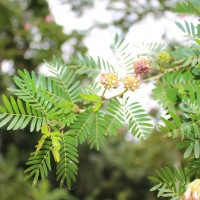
x=193, y=191
x=111, y=80
x=164, y=57
x=131, y=82
x=142, y=65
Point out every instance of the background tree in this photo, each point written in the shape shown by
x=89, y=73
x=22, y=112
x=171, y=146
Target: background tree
x=125, y=14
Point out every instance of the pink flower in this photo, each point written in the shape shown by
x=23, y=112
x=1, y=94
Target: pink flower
x=188, y=194
x=182, y=16
x=48, y=19
x=26, y=26
x=109, y=80
x=131, y=82
x=142, y=65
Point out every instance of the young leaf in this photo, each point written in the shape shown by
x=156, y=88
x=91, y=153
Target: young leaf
x=188, y=150
x=90, y=97
x=196, y=149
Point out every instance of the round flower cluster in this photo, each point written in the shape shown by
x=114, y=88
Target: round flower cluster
x=109, y=80
x=193, y=191
x=164, y=57
x=131, y=82
x=142, y=65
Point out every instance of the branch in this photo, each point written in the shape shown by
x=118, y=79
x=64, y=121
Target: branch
x=156, y=77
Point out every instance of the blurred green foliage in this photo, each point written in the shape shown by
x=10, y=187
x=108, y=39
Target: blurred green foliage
x=119, y=171
x=13, y=186
x=29, y=34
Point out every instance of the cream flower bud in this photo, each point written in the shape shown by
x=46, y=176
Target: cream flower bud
x=109, y=80
x=131, y=82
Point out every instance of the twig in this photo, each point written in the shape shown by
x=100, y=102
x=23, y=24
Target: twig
x=161, y=74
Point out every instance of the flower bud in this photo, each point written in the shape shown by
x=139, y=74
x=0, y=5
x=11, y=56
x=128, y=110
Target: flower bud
x=193, y=191
x=131, y=82
x=164, y=57
x=142, y=65
x=56, y=155
x=76, y=109
x=109, y=80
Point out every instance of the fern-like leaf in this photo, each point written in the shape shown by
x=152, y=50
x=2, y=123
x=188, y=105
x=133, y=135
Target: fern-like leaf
x=32, y=93
x=67, y=167
x=153, y=48
x=180, y=77
x=166, y=96
x=39, y=164
x=174, y=127
x=123, y=54
x=62, y=114
x=87, y=65
x=65, y=79
x=186, y=57
x=170, y=182
x=190, y=7
x=172, y=86
x=46, y=84
x=194, y=167
x=19, y=116
x=91, y=89
x=115, y=118
x=82, y=127
x=138, y=121
x=112, y=125
x=190, y=29
x=49, y=86
x=97, y=132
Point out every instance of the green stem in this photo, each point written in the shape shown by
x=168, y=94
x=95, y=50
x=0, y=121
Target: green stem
x=117, y=95
x=161, y=74
x=102, y=96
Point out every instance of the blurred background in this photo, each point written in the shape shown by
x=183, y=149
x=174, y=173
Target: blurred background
x=34, y=30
